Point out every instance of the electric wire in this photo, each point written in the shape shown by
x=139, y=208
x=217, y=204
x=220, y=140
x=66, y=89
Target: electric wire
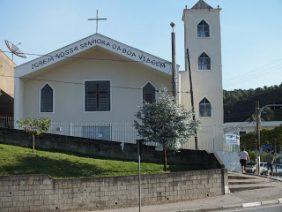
x=79, y=83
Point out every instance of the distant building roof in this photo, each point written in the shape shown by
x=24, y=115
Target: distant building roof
x=2, y=54
x=201, y=4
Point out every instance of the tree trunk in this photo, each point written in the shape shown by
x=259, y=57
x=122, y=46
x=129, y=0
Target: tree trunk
x=165, y=158
x=33, y=143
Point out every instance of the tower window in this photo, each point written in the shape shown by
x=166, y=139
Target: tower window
x=204, y=62
x=149, y=93
x=203, y=29
x=46, y=104
x=205, y=108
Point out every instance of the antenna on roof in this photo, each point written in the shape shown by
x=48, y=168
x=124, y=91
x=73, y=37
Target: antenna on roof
x=14, y=49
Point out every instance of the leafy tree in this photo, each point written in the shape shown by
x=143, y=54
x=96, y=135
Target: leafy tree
x=166, y=123
x=272, y=137
x=253, y=155
x=35, y=127
x=248, y=141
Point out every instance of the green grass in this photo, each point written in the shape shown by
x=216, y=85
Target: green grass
x=18, y=160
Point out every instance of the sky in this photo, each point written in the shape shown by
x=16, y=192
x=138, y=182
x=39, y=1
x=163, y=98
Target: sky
x=251, y=31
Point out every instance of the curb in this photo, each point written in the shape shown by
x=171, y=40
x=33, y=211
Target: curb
x=238, y=206
x=270, y=202
x=251, y=204
x=276, y=179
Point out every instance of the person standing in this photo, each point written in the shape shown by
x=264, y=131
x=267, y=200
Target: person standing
x=244, y=157
x=269, y=163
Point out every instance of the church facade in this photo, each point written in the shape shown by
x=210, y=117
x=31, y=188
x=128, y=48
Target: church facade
x=91, y=88
x=94, y=87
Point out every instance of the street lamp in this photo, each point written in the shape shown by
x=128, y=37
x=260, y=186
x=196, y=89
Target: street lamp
x=259, y=126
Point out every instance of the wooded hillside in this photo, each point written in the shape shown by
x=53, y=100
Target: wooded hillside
x=239, y=105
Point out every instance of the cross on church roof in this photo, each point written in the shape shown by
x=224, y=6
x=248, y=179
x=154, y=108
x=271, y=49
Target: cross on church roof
x=97, y=19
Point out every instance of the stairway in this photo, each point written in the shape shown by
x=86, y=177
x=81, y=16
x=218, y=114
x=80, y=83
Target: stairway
x=241, y=182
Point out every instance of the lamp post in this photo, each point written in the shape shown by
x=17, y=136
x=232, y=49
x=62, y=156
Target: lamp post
x=259, y=126
x=173, y=57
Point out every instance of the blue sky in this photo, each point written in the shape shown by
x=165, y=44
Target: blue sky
x=251, y=31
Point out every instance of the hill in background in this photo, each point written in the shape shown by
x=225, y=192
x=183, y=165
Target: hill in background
x=239, y=105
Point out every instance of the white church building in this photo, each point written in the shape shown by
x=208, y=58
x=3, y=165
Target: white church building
x=93, y=87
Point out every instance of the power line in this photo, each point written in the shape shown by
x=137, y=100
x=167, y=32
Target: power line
x=254, y=74
x=254, y=70
x=79, y=83
x=238, y=77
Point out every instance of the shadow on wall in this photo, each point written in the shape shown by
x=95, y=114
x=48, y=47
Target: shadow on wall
x=230, y=160
x=6, y=104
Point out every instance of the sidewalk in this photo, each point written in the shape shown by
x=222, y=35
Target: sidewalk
x=235, y=200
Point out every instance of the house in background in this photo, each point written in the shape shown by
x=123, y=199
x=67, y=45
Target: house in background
x=242, y=128
x=6, y=86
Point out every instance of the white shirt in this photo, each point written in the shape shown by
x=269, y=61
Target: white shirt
x=244, y=155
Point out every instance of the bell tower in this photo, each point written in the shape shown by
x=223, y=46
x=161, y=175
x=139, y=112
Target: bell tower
x=202, y=38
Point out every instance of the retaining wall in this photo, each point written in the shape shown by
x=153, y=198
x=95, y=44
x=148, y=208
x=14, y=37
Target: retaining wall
x=41, y=193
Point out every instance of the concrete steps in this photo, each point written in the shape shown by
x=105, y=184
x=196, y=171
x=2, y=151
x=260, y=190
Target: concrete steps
x=242, y=182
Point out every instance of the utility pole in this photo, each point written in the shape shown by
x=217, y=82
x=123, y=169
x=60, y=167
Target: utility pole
x=258, y=135
x=192, y=96
x=258, y=119
x=173, y=52
x=139, y=143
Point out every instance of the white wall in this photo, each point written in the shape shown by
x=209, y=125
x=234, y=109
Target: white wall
x=127, y=80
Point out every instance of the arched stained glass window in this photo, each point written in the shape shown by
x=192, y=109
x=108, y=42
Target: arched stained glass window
x=149, y=93
x=46, y=99
x=204, y=62
x=203, y=29
x=205, y=108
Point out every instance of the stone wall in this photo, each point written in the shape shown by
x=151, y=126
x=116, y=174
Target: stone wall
x=41, y=193
x=191, y=159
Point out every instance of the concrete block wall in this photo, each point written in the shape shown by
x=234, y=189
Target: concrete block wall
x=42, y=193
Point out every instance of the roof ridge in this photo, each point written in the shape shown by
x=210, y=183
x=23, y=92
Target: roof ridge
x=201, y=4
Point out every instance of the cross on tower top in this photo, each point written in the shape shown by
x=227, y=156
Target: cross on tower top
x=97, y=19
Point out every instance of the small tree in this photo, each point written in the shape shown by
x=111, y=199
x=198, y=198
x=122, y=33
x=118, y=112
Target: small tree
x=35, y=127
x=166, y=123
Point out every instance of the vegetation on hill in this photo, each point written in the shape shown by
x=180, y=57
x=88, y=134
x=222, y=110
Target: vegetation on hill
x=239, y=105
x=18, y=160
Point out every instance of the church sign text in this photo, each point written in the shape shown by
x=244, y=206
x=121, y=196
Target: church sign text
x=108, y=44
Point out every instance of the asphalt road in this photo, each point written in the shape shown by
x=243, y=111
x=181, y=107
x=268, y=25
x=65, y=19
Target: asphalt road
x=272, y=208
